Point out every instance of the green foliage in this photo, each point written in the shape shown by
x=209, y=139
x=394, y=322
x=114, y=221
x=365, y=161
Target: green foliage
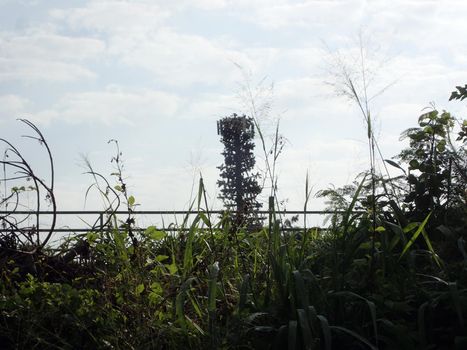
x=437, y=170
x=370, y=280
x=459, y=94
x=174, y=294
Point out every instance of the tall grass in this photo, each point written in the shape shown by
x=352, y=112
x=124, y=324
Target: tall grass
x=294, y=290
x=366, y=281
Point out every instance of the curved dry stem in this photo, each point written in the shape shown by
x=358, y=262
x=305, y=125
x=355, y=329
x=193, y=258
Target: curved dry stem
x=25, y=171
x=110, y=209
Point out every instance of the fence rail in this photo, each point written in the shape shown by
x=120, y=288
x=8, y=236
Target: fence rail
x=101, y=215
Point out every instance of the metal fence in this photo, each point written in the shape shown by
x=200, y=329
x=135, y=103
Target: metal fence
x=100, y=218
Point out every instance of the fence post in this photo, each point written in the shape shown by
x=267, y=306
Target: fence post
x=271, y=213
x=101, y=221
x=268, y=273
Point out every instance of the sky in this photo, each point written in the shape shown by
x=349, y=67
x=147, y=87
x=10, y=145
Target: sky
x=157, y=75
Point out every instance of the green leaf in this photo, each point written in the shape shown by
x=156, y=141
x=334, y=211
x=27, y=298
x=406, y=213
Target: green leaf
x=414, y=164
x=440, y=147
x=394, y=164
x=430, y=248
x=162, y=257
x=153, y=233
x=205, y=219
x=118, y=188
x=91, y=237
x=415, y=235
x=153, y=298
x=172, y=268
x=156, y=288
x=139, y=289
x=428, y=130
x=411, y=226
x=131, y=201
x=119, y=297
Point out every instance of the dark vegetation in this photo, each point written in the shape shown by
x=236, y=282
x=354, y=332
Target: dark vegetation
x=389, y=272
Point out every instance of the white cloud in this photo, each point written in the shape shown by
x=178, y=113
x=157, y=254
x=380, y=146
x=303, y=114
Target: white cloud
x=22, y=2
x=307, y=13
x=401, y=112
x=110, y=16
x=113, y=105
x=46, y=56
x=169, y=188
x=28, y=71
x=209, y=4
x=427, y=25
x=116, y=104
x=12, y=106
x=180, y=59
x=46, y=44
x=309, y=99
x=138, y=34
x=422, y=79
x=211, y=106
x=327, y=161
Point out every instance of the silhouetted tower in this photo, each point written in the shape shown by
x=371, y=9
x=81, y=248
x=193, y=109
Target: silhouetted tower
x=238, y=185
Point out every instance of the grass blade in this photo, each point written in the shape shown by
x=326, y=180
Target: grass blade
x=280, y=338
x=460, y=245
x=415, y=235
x=212, y=286
x=460, y=343
x=188, y=254
x=243, y=292
x=212, y=291
x=457, y=303
x=422, y=325
x=326, y=331
x=354, y=335
x=430, y=248
x=292, y=336
x=300, y=290
x=371, y=308
x=180, y=301
x=305, y=329
x=348, y=212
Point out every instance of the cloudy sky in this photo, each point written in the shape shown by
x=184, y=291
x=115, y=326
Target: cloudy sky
x=156, y=75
